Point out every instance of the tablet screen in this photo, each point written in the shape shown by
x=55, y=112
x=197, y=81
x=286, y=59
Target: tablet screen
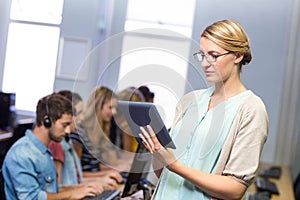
x=139, y=114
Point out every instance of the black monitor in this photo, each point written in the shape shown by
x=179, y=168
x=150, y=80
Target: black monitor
x=138, y=172
x=135, y=180
x=7, y=110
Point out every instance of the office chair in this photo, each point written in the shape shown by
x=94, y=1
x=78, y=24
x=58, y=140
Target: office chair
x=2, y=194
x=297, y=187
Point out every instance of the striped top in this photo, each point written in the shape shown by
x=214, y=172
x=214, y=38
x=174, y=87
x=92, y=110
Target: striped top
x=89, y=161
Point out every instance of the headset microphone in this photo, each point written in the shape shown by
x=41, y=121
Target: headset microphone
x=67, y=138
x=47, y=120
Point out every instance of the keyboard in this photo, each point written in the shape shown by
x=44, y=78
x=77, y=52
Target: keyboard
x=259, y=196
x=263, y=184
x=272, y=172
x=106, y=195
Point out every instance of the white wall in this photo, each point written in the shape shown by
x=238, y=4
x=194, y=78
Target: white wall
x=288, y=137
x=83, y=20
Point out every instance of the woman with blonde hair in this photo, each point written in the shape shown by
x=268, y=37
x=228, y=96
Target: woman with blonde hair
x=91, y=141
x=100, y=108
x=219, y=131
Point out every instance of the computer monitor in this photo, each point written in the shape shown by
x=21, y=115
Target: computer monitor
x=138, y=172
x=7, y=110
x=134, y=180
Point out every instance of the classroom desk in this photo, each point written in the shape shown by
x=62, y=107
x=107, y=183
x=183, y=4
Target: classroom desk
x=4, y=135
x=284, y=183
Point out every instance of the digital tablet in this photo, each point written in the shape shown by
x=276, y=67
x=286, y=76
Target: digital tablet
x=139, y=114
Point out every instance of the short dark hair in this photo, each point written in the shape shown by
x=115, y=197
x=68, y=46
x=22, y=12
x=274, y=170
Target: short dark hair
x=146, y=92
x=54, y=106
x=72, y=96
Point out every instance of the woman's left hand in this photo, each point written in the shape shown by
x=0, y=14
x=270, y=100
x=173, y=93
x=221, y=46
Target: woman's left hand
x=150, y=141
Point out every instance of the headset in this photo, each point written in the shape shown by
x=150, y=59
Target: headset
x=47, y=121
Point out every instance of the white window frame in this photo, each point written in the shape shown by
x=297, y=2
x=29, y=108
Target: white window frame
x=19, y=76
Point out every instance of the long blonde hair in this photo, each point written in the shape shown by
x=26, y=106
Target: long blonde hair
x=93, y=122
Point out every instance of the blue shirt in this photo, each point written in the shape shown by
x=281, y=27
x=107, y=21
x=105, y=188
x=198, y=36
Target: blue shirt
x=29, y=170
x=71, y=168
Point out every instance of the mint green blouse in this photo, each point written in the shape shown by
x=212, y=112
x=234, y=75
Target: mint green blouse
x=199, y=136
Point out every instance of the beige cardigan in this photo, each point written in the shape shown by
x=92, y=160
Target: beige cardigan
x=242, y=149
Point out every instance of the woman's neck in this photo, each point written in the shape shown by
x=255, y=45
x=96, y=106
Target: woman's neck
x=223, y=92
x=228, y=90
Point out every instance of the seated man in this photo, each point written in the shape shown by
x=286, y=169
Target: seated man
x=28, y=168
x=67, y=163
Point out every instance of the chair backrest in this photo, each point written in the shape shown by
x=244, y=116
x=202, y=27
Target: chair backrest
x=297, y=187
x=2, y=194
x=18, y=132
x=3, y=145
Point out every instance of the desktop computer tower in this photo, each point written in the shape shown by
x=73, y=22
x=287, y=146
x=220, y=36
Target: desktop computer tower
x=7, y=111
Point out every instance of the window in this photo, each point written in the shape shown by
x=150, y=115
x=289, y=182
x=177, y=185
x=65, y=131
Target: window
x=175, y=15
x=44, y=11
x=31, y=52
x=155, y=49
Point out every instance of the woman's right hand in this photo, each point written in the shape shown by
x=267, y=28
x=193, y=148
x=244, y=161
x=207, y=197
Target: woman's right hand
x=160, y=153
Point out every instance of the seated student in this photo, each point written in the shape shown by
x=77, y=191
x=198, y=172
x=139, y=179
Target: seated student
x=120, y=133
x=28, y=169
x=148, y=95
x=91, y=140
x=67, y=163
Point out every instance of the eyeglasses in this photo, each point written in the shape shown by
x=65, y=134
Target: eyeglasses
x=209, y=57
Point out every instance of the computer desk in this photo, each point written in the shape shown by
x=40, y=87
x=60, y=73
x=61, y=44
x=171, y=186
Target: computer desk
x=5, y=135
x=284, y=183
